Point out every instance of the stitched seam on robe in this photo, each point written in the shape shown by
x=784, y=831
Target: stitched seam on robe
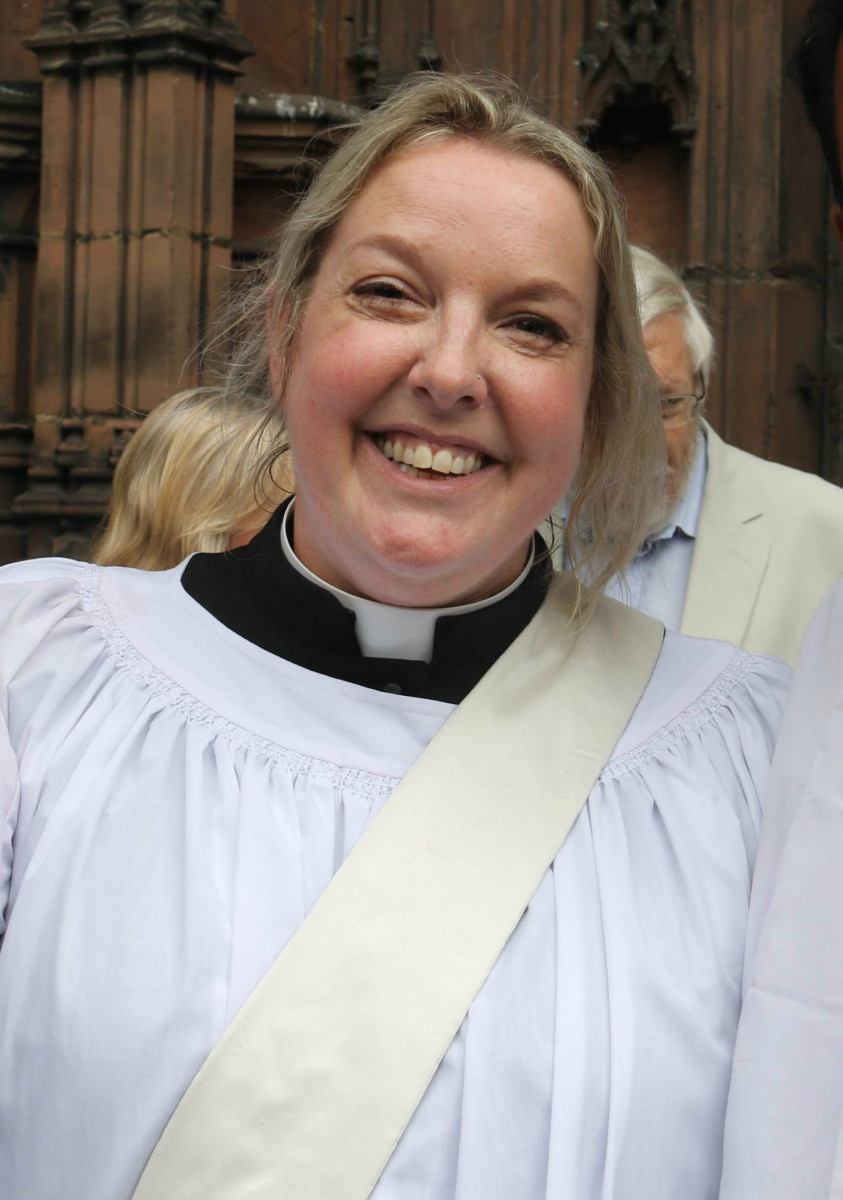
x=175, y=696
x=690, y=721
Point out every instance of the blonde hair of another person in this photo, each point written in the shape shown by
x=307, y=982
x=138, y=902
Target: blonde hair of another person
x=661, y=292
x=619, y=483
x=199, y=475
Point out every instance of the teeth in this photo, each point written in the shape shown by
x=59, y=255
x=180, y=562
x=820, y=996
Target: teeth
x=423, y=457
x=420, y=458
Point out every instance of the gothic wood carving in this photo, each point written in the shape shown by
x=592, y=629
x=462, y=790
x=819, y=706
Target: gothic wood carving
x=638, y=54
x=103, y=33
x=429, y=54
x=367, y=56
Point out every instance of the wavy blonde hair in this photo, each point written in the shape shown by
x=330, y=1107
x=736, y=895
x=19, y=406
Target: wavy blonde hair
x=195, y=475
x=619, y=484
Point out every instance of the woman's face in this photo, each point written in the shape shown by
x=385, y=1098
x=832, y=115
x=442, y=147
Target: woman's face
x=451, y=323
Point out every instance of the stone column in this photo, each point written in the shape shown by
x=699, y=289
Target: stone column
x=135, y=232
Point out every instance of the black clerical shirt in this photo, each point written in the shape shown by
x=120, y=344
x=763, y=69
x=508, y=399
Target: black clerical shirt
x=258, y=594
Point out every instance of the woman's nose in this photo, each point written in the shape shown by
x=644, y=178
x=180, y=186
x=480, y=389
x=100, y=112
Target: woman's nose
x=448, y=369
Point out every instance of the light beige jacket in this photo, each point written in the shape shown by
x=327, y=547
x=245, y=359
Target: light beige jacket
x=769, y=546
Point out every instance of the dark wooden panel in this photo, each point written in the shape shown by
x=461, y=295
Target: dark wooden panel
x=19, y=19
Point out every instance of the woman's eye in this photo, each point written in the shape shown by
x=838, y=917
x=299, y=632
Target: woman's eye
x=539, y=328
x=380, y=289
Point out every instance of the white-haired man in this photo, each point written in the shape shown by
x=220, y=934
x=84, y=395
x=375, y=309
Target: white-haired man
x=747, y=548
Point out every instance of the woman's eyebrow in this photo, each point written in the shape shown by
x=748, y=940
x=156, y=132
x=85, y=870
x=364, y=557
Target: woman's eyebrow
x=548, y=290
x=390, y=243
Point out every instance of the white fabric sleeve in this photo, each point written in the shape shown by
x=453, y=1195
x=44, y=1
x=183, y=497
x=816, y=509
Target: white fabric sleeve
x=786, y=1094
x=9, y=801
x=33, y=597
x=817, y=690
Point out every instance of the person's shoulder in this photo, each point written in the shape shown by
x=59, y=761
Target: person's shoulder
x=39, y=586
x=698, y=681
x=75, y=573
x=38, y=597
x=708, y=664
x=788, y=484
x=36, y=584
x=782, y=486
x=65, y=612
x=37, y=570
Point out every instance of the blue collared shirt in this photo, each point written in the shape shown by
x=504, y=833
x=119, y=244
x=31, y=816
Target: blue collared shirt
x=657, y=578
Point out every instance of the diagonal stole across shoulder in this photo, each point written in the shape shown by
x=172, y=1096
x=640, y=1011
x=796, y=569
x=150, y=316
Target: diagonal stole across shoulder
x=309, y=1089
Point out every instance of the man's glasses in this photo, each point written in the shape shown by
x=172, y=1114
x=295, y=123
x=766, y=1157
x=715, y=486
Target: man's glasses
x=678, y=410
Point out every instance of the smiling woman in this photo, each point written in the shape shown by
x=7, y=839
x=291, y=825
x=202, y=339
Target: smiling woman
x=425, y=329
x=366, y=858
x=509, y=238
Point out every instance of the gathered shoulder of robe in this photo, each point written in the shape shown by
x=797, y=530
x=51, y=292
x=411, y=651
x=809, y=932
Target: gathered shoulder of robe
x=175, y=797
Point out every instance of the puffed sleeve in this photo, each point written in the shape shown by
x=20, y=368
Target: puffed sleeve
x=33, y=597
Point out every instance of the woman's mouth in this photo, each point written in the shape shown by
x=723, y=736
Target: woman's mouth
x=428, y=461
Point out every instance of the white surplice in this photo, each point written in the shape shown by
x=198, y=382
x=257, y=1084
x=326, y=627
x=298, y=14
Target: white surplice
x=180, y=797
x=786, y=1099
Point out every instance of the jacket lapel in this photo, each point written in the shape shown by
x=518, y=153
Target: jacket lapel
x=731, y=551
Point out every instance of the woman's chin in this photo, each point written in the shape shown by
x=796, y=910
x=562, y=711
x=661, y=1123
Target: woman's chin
x=403, y=554
x=415, y=583
x=418, y=576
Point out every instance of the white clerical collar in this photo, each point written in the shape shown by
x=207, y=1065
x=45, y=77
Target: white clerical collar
x=383, y=630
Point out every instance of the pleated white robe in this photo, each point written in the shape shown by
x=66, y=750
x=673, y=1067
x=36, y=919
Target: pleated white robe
x=173, y=800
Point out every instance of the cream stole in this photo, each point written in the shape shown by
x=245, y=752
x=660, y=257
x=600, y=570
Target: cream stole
x=309, y=1089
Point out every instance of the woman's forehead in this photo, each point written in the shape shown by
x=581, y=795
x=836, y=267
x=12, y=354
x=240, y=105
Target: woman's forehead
x=468, y=168
x=457, y=196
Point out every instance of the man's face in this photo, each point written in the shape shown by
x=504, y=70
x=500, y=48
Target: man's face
x=836, y=211
x=664, y=341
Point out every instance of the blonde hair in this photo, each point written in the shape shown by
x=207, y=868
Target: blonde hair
x=195, y=474
x=619, y=484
